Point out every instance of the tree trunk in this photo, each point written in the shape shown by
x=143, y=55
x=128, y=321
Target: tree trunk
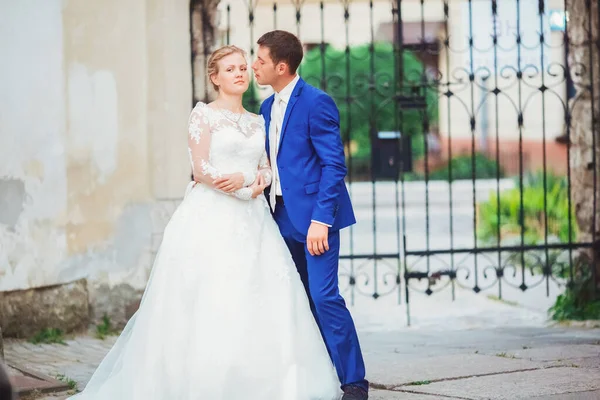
x=203, y=19
x=583, y=57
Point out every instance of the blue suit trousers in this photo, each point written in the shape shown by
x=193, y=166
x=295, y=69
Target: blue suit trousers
x=319, y=275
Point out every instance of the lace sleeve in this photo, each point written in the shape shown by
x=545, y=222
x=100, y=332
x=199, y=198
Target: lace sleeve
x=199, y=150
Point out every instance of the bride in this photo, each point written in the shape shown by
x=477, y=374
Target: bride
x=224, y=315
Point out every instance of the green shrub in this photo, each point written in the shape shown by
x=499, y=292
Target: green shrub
x=462, y=168
x=577, y=303
x=251, y=100
x=535, y=215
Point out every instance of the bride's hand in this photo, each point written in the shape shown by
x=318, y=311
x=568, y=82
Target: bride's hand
x=230, y=182
x=258, y=186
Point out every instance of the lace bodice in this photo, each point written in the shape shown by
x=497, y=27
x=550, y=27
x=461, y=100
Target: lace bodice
x=221, y=142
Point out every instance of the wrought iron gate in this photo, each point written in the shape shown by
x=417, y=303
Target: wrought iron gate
x=457, y=120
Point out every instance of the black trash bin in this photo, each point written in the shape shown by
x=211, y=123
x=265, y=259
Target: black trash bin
x=391, y=154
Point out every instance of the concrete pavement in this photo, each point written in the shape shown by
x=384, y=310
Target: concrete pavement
x=500, y=364
x=474, y=348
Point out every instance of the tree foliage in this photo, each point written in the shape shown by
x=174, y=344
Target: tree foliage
x=364, y=82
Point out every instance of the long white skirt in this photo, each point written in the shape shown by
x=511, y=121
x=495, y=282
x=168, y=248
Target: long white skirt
x=224, y=315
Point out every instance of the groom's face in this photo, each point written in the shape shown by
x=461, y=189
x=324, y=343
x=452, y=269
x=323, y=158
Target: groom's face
x=264, y=68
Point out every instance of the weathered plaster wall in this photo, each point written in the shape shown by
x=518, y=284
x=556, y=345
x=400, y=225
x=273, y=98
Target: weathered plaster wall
x=108, y=222
x=94, y=100
x=33, y=177
x=169, y=95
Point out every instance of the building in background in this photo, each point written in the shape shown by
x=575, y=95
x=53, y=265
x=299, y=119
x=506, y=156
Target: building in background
x=523, y=118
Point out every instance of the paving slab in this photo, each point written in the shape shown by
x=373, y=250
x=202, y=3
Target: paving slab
x=592, y=395
x=25, y=381
x=516, y=386
x=396, y=371
x=76, y=360
x=589, y=362
x=558, y=353
x=394, y=395
x=412, y=344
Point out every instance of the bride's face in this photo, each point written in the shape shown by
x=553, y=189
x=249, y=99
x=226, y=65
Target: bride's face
x=232, y=77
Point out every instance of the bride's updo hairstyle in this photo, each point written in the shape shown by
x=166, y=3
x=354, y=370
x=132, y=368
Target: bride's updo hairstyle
x=212, y=67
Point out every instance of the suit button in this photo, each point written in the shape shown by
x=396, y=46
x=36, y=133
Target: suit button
x=281, y=167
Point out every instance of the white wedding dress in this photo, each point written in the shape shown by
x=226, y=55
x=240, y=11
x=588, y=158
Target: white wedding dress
x=224, y=315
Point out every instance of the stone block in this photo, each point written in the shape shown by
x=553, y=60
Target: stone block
x=23, y=313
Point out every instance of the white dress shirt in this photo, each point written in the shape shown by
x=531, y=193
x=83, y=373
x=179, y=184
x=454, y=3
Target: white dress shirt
x=280, y=103
x=277, y=115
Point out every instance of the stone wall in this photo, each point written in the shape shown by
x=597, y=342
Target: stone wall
x=24, y=313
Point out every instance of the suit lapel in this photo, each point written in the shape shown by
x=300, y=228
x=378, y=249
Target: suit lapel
x=288, y=111
x=267, y=118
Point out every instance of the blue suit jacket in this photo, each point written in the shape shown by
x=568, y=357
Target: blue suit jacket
x=311, y=160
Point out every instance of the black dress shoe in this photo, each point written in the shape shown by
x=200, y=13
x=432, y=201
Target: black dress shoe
x=352, y=392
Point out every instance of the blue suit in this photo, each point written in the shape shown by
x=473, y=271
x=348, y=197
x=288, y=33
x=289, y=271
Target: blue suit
x=311, y=166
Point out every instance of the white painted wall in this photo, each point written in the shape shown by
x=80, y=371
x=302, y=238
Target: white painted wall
x=94, y=102
x=32, y=143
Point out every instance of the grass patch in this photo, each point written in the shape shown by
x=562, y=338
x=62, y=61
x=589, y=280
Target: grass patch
x=105, y=328
x=505, y=355
x=419, y=383
x=49, y=336
x=498, y=299
x=70, y=382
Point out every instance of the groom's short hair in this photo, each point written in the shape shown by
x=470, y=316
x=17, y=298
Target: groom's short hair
x=283, y=47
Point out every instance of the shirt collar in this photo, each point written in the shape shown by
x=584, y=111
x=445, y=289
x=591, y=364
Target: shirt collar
x=287, y=91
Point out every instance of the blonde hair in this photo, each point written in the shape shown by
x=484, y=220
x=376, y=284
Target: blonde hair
x=212, y=67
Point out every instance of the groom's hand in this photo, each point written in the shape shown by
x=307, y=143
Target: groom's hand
x=316, y=240
x=258, y=186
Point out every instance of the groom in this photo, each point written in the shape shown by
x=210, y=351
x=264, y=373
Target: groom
x=308, y=195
